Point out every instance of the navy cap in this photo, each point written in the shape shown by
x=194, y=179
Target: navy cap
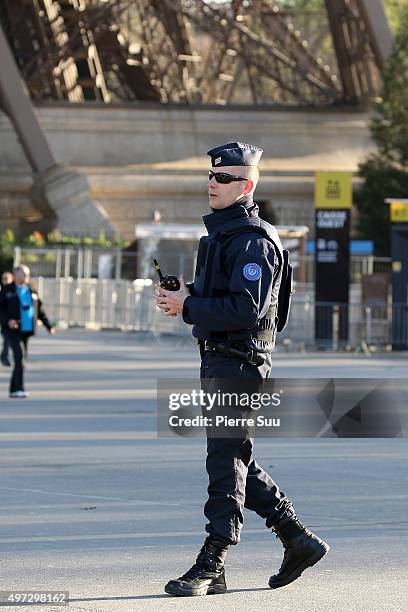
x=235, y=154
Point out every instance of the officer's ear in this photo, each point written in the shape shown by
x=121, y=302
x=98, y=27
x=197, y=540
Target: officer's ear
x=248, y=187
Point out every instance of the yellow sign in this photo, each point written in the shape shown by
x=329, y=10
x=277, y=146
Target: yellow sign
x=333, y=190
x=399, y=212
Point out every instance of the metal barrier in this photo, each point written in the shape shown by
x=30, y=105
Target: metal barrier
x=359, y=265
x=129, y=305
x=118, y=264
x=345, y=325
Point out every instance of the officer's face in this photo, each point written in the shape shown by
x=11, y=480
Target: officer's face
x=223, y=195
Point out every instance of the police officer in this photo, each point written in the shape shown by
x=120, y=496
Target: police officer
x=232, y=305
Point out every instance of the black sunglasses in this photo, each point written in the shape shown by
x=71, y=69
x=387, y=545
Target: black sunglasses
x=224, y=178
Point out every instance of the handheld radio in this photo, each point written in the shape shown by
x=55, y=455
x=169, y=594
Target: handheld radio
x=171, y=283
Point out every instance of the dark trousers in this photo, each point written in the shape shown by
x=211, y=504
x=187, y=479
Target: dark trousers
x=24, y=339
x=17, y=341
x=236, y=481
x=5, y=349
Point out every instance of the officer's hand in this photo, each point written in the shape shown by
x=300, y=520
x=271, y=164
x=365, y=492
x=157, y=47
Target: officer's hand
x=171, y=302
x=13, y=324
x=158, y=297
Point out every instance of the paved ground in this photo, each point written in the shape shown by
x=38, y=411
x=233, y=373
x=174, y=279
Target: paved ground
x=92, y=502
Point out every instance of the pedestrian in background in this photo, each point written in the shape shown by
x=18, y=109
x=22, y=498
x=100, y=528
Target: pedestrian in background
x=6, y=279
x=20, y=309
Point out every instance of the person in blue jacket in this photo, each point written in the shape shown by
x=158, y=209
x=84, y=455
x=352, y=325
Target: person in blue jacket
x=232, y=306
x=20, y=309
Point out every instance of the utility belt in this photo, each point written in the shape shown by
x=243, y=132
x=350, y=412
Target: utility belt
x=226, y=348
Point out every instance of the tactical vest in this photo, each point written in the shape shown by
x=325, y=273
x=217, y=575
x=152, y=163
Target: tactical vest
x=211, y=280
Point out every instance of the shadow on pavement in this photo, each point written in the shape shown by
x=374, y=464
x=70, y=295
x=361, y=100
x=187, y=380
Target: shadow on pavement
x=158, y=596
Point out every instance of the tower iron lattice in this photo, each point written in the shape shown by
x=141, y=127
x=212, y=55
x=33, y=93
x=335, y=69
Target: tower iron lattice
x=198, y=51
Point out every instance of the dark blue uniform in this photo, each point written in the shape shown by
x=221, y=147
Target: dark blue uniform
x=233, y=300
x=234, y=310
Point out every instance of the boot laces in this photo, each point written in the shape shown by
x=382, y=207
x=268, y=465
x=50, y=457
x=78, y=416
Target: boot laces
x=206, y=559
x=287, y=553
x=194, y=572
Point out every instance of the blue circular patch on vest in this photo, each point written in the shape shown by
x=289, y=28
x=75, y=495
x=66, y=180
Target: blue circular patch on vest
x=252, y=271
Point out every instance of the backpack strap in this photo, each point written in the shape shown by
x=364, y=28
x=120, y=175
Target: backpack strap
x=286, y=286
x=225, y=237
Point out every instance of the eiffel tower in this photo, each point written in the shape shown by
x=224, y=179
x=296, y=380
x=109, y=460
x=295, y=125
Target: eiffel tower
x=198, y=51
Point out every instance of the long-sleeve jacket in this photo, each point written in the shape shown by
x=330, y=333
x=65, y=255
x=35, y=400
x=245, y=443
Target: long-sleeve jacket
x=235, y=283
x=10, y=307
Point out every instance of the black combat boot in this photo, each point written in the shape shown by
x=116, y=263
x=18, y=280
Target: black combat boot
x=302, y=549
x=207, y=576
